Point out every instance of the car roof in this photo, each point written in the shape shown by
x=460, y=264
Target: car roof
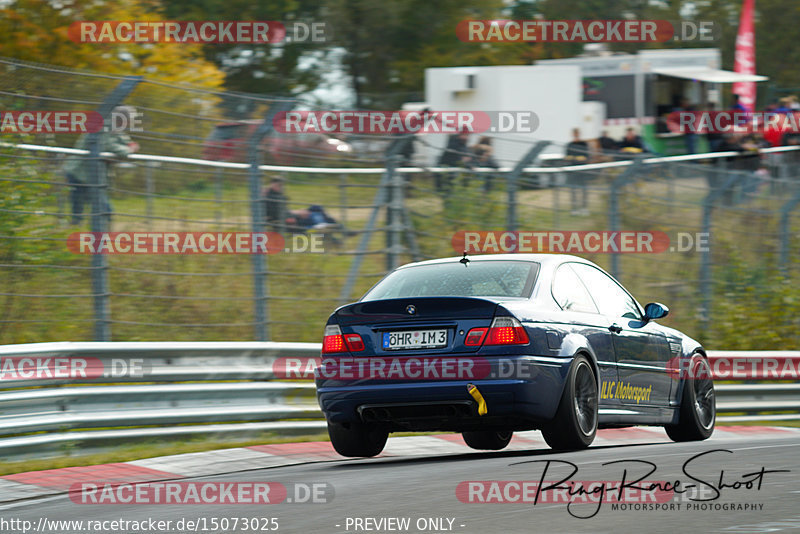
x=546, y=260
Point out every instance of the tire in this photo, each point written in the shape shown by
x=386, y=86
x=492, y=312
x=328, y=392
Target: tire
x=357, y=439
x=575, y=424
x=487, y=440
x=698, y=410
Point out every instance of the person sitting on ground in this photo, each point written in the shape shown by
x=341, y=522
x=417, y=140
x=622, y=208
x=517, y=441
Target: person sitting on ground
x=577, y=150
x=279, y=218
x=607, y=144
x=631, y=142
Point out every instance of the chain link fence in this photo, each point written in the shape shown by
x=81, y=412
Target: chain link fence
x=729, y=274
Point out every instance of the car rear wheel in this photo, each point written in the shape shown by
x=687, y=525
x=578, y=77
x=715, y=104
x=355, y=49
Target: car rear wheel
x=357, y=439
x=698, y=409
x=575, y=423
x=487, y=440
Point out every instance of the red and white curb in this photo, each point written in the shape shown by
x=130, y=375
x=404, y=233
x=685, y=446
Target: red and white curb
x=33, y=484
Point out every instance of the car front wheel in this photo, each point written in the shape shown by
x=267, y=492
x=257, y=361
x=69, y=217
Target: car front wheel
x=698, y=409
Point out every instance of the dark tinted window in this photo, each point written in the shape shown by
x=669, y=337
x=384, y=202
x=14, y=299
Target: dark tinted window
x=477, y=279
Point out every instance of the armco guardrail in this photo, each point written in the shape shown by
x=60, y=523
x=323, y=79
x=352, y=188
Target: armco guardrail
x=141, y=390
x=146, y=390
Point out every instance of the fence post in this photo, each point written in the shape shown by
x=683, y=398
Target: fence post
x=411, y=237
x=625, y=177
x=378, y=202
x=343, y=201
x=101, y=210
x=260, y=311
x=512, y=179
x=218, y=181
x=395, y=217
x=556, y=203
x=151, y=189
x=705, y=257
x=785, y=212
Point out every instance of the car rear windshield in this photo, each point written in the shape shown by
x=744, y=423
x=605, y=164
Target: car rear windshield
x=484, y=278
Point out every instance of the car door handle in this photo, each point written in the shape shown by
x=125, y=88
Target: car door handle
x=615, y=328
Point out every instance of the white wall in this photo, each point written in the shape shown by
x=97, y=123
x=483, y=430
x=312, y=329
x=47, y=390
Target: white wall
x=554, y=93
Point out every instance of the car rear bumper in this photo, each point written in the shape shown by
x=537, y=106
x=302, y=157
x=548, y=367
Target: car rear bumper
x=519, y=401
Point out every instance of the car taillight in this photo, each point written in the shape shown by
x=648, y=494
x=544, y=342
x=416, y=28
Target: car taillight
x=354, y=342
x=475, y=337
x=333, y=341
x=506, y=331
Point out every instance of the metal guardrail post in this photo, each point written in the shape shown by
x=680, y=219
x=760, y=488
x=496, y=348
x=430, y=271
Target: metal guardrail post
x=260, y=311
x=101, y=209
x=621, y=180
x=512, y=180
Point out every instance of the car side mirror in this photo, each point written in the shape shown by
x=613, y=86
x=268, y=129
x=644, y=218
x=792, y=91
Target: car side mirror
x=655, y=310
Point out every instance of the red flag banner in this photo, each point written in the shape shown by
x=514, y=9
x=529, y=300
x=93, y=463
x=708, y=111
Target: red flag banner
x=745, y=58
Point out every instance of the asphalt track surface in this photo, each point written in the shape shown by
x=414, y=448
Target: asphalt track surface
x=423, y=487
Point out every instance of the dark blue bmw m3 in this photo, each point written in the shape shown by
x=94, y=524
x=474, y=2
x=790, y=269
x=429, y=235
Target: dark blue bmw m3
x=493, y=344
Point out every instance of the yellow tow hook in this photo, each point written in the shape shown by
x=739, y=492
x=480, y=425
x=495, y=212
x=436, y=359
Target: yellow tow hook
x=472, y=390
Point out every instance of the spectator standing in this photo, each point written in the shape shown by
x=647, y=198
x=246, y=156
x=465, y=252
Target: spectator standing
x=577, y=153
x=714, y=138
x=483, y=156
x=276, y=203
x=455, y=154
x=77, y=168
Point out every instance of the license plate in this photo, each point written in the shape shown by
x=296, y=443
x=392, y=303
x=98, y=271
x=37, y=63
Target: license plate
x=414, y=339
